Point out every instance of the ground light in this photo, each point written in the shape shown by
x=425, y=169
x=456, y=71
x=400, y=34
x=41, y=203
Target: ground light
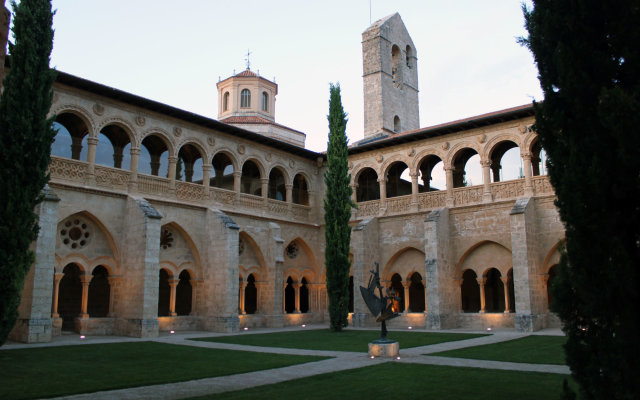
x=172, y=332
x=82, y=337
x=245, y=328
x=304, y=326
x=410, y=328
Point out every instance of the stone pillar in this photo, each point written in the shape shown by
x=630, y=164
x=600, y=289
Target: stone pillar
x=34, y=323
x=442, y=293
x=284, y=300
x=528, y=183
x=237, y=180
x=85, y=279
x=133, y=180
x=415, y=189
x=366, y=247
x=487, y=197
x=242, y=285
x=172, y=297
x=312, y=204
x=265, y=188
x=260, y=289
x=481, y=282
x=114, y=282
x=406, y=286
x=56, y=291
x=505, y=283
x=449, y=175
x=137, y=306
x=289, y=197
x=92, y=145
x=273, y=292
x=173, y=161
x=530, y=292
x=297, y=287
x=220, y=269
x=206, y=174
x=383, y=194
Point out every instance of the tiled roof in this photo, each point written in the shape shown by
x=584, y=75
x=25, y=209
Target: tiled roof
x=247, y=72
x=254, y=119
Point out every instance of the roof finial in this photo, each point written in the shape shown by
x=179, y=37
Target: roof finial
x=247, y=59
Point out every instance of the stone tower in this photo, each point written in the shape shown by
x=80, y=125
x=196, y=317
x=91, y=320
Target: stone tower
x=390, y=76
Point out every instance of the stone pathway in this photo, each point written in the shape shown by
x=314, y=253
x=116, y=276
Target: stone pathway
x=340, y=361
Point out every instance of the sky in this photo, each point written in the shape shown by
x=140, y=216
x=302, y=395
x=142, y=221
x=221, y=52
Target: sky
x=469, y=61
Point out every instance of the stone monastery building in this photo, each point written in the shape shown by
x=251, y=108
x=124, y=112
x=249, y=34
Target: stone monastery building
x=158, y=219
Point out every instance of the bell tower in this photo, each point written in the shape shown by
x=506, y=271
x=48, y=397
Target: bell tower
x=390, y=74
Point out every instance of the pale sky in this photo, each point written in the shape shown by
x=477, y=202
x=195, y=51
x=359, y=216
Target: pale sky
x=469, y=62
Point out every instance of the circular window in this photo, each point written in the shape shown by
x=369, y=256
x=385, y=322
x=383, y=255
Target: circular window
x=75, y=233
x=292, y=250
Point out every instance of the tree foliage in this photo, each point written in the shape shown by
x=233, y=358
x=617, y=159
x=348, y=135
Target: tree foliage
x=588, y=58
x=337, y=208
x=26, y=135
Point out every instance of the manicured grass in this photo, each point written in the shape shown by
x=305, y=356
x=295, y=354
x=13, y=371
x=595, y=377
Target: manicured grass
x=347, y=340
x=530, y=349
x=64, y=370
x=411, y=381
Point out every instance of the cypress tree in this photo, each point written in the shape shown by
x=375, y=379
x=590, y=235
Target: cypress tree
x=337, y=208
x=26, y=135
x=588, y=60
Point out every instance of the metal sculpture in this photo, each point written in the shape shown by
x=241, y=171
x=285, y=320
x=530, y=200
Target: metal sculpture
x=381, y=307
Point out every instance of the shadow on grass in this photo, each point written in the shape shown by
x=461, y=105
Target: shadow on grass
x=65, y=370
x=411, y=381
x=347, y=340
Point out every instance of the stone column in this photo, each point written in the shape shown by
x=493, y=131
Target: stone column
x=297, y=287
x=56, y=290
x=284, y=298
x=117, y=156
x=312, y=204
x=406, y=285
x=528, y=183
x=206, y=174
x=195, y=288
x=383, y=195
x=92, y=145
x=415, y=189
x=133, y=180
x=289, y=197
x=172, y=297
x=242, y=285
x=460, y=282
x=487, y=197
x=85, y=279
x=481, y=282
x=173, y=161
x=505, y=283
x=76, y=148
x=441, y=292
x=260, y=286
x=113, y=293
x=449, y=175
x=237, y=180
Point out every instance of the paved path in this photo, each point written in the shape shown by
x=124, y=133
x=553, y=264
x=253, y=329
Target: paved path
x=340, y=361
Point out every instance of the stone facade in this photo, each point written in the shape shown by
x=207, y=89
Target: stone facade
x=158, y=219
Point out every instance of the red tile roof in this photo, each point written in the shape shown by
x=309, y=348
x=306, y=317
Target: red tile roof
x=254, y=119
x=247, y=72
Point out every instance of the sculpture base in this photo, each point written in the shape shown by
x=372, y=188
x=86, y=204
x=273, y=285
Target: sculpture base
x=384, y=348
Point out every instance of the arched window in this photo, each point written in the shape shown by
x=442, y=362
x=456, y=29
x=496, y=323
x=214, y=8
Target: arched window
x=276, y=185
x=70, y=296
x=493, y=292
x=300, y=190
x=304, y=296
x=225, y=101
x=467, y=170
x=71, y=137
x=396, y=285
x=470, y=290
x=114, y=147
x=265, y=101
x=289, y=297
x=368, y=187
x=416, y=293
x=432, y=175
x=398, y=180
x=189, y=165
x=99, y=291
x=506, y=163
x=409, y=55
x=164, y=294
x=183, y=294
x=245, y=98
x=250, y=180
x=222, y=172
x=251, y=296
x=154, y=157
x=396, y=62
x=396, y=124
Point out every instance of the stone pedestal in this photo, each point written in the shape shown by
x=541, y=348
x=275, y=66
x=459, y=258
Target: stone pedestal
x=384, y=348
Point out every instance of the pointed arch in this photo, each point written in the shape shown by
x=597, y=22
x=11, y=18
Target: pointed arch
x=98, y=223
x=483, y=256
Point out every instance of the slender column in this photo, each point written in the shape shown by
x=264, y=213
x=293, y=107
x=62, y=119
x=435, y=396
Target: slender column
x=383, y=194
x=284, y=298
x=56, y=289
x=460, y=282
x=297, y=287
x=85, y=279
x=354, y=192
x=259, y=289
x=188, y=171
x=76, y=147
x=173, y=161
x=406, y=286
x=528, y=183
x=155, y=164
x=414, y=191
x=117, y=156
x=172, y=297
x=265, y=191
x=486, y=180
x=289, y=194
x=92, y=145
x=481, y=282
x=449, y=174
x=135, y=156
x=114, y=283
x=505, y=283
x=206, y=174
x=237, y=179
x=242, y=285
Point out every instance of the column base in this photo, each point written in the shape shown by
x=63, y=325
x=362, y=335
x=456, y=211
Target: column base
x=527, y=322
x=34, y=330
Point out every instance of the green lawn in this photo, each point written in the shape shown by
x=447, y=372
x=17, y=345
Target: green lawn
x=531, y=349
x=64, y=370
x=347, y=340
x=411, y=381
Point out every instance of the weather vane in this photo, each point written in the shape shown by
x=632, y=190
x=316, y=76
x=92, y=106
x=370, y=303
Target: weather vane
x=247, y=59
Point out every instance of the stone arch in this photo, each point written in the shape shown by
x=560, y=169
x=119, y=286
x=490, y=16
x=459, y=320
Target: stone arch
x=455, y=149
x=469, y=291
x=306, y=265
x=484, y=255
x=388, y=162
x=495, y=153
x=358, y=168
x=253, y=253
x=538, y=156
x=553, y=255
x=122, y=124
x=417, y=293
x=278, y=179
x=425, y=168
x=197, y=143
x=162, y=135
x=108, y=237
x=458, y=161
x=494, y=292
x=121, y=138
x=404, y=262
x=398, y=180
x=191, y=246
x=306, y=177
x=300, y=189
x=99, y=293
x=191, y=161
x=78, y=124
x=78, y=111
x=251, y=295
x=430, y=151
x=70, y=295
x=367, y=186
x=229, y=153
x=184, y=293
x=251, y=179
x=155, y=152
x=164, y=291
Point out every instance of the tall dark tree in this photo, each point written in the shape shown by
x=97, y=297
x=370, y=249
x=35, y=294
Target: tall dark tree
x=26, y=135
x=337, y=208
x=588, y=58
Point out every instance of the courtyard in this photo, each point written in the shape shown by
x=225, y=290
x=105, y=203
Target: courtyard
x=297, y=362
